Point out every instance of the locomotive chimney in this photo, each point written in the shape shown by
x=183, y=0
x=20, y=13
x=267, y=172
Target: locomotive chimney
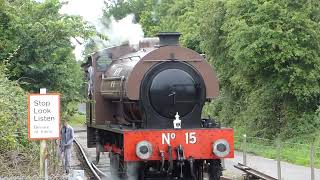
x=168, y=38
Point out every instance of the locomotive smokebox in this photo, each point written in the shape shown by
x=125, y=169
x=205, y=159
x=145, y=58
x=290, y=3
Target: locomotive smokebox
x=168, y=38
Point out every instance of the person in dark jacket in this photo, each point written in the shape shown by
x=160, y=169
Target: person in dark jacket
x=67, y=136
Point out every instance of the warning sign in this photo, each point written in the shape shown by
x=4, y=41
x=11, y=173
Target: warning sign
x=44, y=116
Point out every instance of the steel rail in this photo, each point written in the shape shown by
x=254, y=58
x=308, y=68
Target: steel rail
x=80, y=130
x=225, y=178
x=98, y=170
x=254, y=174
x=87, y=160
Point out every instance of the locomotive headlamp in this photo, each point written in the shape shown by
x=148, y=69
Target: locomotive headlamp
x=144, y=150
x=221, y=148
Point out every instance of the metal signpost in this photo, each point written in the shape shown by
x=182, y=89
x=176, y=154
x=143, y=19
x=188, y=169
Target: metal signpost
x=43, y=121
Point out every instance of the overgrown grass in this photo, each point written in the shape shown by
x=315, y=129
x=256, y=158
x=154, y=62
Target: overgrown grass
x=296, y=153
x=77, y=119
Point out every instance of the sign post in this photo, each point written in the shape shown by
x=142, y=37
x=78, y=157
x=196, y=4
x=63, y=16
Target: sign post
x=43, y=122
x=43, y=152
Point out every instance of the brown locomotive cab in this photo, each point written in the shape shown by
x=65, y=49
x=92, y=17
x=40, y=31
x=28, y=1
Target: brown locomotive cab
x=145, y=105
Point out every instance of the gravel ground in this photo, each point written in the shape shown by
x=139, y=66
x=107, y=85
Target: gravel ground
x=76, y=164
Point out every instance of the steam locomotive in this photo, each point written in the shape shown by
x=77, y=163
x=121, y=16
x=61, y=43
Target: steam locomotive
x=145, y=105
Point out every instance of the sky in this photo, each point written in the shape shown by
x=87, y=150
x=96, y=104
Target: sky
x=90, y=10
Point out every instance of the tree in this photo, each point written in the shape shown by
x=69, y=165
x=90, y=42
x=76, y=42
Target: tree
x=120, y=8
x=267, y=57
x=172, y=16
x=41, y=38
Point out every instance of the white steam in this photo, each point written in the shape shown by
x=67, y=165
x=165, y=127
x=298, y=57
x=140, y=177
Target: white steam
x=117, y=32
x=124, y=30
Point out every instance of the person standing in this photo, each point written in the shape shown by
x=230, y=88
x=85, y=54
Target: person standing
x=67, y=136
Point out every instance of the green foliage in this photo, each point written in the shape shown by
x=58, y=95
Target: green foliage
x=77, y=119
x=171, y=16
x=35, y=52
x=13, y=115
x=121, y=8
x=267, y=57
x=40, y=36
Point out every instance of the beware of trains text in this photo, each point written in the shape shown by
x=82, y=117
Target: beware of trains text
x=44, y=116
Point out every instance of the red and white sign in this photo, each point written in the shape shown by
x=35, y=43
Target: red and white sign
x=44, y=116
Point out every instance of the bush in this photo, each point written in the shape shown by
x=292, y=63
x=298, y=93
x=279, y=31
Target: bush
x=13, y=114
x=267, y=56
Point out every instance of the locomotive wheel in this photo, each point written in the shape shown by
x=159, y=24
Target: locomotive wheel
x=215, y=170
x=121, y=170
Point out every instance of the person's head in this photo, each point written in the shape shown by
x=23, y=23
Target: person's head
x=65, y=123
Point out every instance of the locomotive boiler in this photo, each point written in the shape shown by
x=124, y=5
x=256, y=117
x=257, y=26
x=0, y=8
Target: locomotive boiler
x=144, y=108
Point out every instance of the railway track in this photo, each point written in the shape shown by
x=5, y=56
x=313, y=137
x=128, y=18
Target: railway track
x=102, y=170
x=93, y=170
x=87, y=157
x=252, y=174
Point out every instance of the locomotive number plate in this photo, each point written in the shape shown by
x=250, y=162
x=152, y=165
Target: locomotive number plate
x=189, y=137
